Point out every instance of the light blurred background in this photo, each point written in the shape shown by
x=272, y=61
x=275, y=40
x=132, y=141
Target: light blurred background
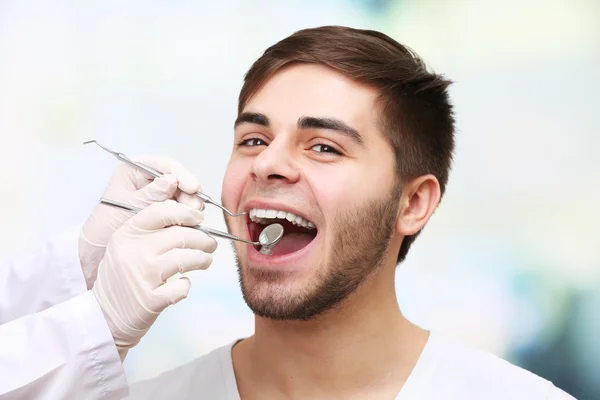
x=511, y=260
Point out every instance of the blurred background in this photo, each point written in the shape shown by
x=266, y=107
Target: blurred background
x=511, y=260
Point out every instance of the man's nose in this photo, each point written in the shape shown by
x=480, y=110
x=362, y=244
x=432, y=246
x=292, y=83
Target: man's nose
x=276, y=163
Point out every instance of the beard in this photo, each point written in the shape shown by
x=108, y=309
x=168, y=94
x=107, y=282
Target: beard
x=360, y=240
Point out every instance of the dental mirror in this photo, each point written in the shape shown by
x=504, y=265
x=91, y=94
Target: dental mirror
x=269, y=237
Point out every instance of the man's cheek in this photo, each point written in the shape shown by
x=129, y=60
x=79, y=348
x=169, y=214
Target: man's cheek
x=227, y=196
x=231, y=189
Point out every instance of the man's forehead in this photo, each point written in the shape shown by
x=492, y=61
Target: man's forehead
x=313, y=90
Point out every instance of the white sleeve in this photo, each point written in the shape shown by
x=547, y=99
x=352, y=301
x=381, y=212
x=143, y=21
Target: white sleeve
x=556, y=394
x=36, y=281
x=64, y=352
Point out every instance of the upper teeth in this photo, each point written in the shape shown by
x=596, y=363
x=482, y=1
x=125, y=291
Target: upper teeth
x=261, y=216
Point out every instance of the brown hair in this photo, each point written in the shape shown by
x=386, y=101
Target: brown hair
x=416, y=115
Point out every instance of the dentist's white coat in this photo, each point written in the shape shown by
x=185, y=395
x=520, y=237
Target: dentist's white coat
x=54, y=341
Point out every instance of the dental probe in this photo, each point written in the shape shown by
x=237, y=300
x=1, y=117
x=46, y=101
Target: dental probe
x=156, y=174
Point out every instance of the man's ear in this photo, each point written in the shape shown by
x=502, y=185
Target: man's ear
x=419, y=199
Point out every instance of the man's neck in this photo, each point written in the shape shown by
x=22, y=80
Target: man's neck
x=363, y=346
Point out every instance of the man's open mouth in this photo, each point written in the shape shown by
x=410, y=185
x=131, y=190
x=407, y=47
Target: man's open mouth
x=298, y=231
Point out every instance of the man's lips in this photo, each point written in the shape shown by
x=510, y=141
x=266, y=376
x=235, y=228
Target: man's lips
x=295, y=238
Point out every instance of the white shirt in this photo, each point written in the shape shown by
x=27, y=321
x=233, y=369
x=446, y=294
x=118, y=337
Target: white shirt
x=54, y=340
x=446, y=370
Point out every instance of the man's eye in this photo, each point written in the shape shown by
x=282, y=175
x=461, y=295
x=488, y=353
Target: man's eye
x=252, y=142
x=323, y=148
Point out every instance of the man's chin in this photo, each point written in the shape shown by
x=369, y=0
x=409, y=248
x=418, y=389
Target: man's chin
x=282, y=296
x=273, y=294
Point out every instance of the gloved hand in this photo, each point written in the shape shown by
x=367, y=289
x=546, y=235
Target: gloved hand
x=141, y=255
x=131, y=186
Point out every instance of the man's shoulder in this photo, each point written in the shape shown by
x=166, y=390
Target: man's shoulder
x=211, y=374
x=460, y=368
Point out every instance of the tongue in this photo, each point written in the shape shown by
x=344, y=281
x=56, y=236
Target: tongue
x=291, y=242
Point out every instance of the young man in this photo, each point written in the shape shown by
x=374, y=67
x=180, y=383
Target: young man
x=344, y=137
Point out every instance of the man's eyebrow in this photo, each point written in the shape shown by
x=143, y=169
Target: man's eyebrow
x=331, y=124
x=252, y=118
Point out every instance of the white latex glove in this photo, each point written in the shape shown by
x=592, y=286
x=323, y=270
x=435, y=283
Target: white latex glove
x=130, y=186
x=141, y=255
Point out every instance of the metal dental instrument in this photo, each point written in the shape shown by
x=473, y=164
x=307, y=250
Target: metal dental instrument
x=268, y=237
x=156, y=174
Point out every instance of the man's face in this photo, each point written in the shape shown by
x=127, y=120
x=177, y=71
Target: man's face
x=308, y=150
